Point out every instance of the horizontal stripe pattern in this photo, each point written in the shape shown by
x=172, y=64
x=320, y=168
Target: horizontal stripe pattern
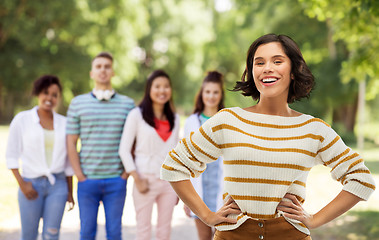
x=228, y=127
x=278, y=126
x=249, y=145
x=263, y=181
x=265, y=157
x=265, y=164
x=99, y=125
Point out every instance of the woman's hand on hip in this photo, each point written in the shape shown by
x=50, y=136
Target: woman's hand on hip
x=221, y=216
x=293, y=209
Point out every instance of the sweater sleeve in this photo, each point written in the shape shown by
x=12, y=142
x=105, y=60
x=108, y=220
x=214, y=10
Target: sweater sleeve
x=127, y=140
x=190, y=156
x=346, y=166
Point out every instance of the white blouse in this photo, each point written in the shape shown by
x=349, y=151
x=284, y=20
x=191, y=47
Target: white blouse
x=150, y=150
x=26, y=143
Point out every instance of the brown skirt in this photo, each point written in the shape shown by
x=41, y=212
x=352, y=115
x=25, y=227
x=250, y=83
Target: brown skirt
x=272, y=229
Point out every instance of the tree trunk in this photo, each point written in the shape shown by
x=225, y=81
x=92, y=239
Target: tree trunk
x=347, y=115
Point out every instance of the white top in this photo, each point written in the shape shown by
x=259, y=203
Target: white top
x=192, y=124
x=26, y=143
x=265, y=157
x=150, y=150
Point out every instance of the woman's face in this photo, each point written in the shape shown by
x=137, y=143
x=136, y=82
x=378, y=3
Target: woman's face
x=160, y=91
x=272, y=71
x=211, y=95
x=48, y=97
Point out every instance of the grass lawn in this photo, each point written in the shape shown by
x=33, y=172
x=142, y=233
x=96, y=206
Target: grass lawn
x=361, y=223
x=355, y=225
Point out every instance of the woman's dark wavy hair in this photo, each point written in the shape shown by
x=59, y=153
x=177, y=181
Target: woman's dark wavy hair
x=44, y=82
x=146, y=104
x=302, y=82
x=213, y=77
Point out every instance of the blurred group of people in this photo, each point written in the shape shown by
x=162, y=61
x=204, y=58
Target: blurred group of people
x=117, y=140
x=252, y=162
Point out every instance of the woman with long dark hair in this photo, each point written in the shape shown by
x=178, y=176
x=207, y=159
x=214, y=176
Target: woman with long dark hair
x=154, y=128
x=208, y=185
x=268, y=150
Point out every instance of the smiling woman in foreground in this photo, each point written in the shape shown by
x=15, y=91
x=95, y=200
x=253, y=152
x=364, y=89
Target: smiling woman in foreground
x=268, y=151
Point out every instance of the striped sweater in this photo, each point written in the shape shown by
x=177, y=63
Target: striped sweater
x=265, y=157
x=99, y=125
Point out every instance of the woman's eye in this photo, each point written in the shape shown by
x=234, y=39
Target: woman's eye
x=277, y=62
x=259, y=63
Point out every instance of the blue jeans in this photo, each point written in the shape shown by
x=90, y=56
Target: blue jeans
x=49, y=205
x=110, y=191
x=211, y=184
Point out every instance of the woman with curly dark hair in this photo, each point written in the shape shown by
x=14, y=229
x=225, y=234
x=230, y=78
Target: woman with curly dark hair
x=37, y=138
x=268, y=150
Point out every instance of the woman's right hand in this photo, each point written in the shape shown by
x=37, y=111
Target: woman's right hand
x=221, y=216
x=142, y=185
x=28, y=190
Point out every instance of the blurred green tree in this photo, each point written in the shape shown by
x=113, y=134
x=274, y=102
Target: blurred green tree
x=185, y=38
x=355, y=24
x=60, y=38
x=38, y=38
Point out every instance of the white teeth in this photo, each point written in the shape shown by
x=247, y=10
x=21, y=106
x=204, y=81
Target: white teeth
x=47, y=103
x=269, y=80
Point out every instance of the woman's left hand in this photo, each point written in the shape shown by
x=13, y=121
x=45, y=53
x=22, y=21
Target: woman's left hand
x=292, y=208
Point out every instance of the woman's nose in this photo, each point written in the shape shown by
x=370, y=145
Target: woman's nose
x=267, y=67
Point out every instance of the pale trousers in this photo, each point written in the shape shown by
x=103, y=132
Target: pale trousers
x=160, y=192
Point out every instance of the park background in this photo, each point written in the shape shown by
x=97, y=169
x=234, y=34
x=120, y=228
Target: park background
x=338, y=38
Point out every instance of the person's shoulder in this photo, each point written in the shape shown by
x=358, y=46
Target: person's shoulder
x=135, y=112
x=315, y=120
x=318, y=125
x=124, y=98
x=81, y=98
x=192, y=117
x=227, y=112
x=220, y=117
x=24, y=114
x=230, y=109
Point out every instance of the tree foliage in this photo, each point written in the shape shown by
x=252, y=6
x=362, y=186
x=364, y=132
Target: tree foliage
x=185, y=38
x=356, y=23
